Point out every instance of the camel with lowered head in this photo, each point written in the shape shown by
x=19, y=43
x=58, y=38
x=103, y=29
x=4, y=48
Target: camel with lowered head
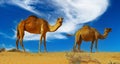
x=36, y=25
x=88, y=33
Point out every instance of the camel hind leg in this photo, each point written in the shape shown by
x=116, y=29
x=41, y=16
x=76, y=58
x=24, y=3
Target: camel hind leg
x=21, y=35
x=75, y=45
x=17, y=41
x=79, y=44
x=96, y=45
x=21, y=41
x=43, y=35
x=78, y=41
x=91, y=46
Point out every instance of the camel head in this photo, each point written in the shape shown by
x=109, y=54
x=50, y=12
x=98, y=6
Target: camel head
x=107, y=30
x=57, y=25
x=60, y=21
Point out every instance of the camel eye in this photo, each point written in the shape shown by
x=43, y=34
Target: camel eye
x=58, y=18
x=110, y=29
x=62, y=18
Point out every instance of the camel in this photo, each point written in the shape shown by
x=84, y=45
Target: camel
x=36, y=25
x=87, y=33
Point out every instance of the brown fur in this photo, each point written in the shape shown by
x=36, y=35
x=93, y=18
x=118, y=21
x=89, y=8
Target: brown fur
x=36, y=25
x=88, y=33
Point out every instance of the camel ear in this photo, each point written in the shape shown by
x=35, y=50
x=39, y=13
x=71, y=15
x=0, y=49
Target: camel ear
x=62, y=18
x=21, y=19
x=110, y=29
x=58, y=19
x=106, y=28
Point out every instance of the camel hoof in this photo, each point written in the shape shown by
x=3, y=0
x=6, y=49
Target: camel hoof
x=45, y=51
x=97, y=51
x=92, y=52
x=74, y=50
x=39, y=51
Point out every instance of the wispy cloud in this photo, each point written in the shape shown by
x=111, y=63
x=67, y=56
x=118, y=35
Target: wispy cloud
x=25, y=4
x=4, y=35
x=75, y=12
x=7, y=47
x=79, y=11
x=50, y=36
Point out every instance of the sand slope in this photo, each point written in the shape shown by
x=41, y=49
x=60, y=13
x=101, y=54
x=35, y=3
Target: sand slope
x=59, y=58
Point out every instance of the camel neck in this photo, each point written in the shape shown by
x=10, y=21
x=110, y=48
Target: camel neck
x=103, y=36
x=54, y=27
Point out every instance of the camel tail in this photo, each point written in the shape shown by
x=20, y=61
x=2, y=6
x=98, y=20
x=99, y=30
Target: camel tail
x=17, y=33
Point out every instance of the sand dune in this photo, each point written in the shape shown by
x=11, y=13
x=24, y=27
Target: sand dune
x=59, y=58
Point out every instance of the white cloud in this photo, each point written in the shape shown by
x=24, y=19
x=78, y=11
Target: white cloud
x=31, y=36
x=74, y=12
x=79, y=11
x=2, y=1
x=50, y=36
x=4, y=35
x=25, y=4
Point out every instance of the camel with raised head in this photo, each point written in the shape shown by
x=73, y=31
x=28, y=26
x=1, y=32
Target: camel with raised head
x=36, y=25
x=88, y=33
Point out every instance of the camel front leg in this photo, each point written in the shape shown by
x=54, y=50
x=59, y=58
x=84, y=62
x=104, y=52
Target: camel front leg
x=45, y=50
x=21, y=43
x=96, y=45
x=17, y=41
x=74, y=47
x=76, y=43
x=21, y=38
x=91, y=46
x=40, y=43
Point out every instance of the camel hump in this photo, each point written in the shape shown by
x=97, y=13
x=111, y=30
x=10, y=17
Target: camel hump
x=31, y=18
x=86, y=27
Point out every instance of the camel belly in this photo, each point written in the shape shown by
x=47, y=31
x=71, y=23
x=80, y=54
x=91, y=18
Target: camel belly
x=32, y=29
x=88, y=37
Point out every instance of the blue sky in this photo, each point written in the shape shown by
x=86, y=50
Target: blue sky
x=96, y=13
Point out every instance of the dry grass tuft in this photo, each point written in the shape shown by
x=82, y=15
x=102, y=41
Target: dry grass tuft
x=113, y=62
x=74, y=58
x=2, y=49
x=11, y=50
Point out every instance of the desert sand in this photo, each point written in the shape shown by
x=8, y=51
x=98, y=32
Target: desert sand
x=60, y=58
